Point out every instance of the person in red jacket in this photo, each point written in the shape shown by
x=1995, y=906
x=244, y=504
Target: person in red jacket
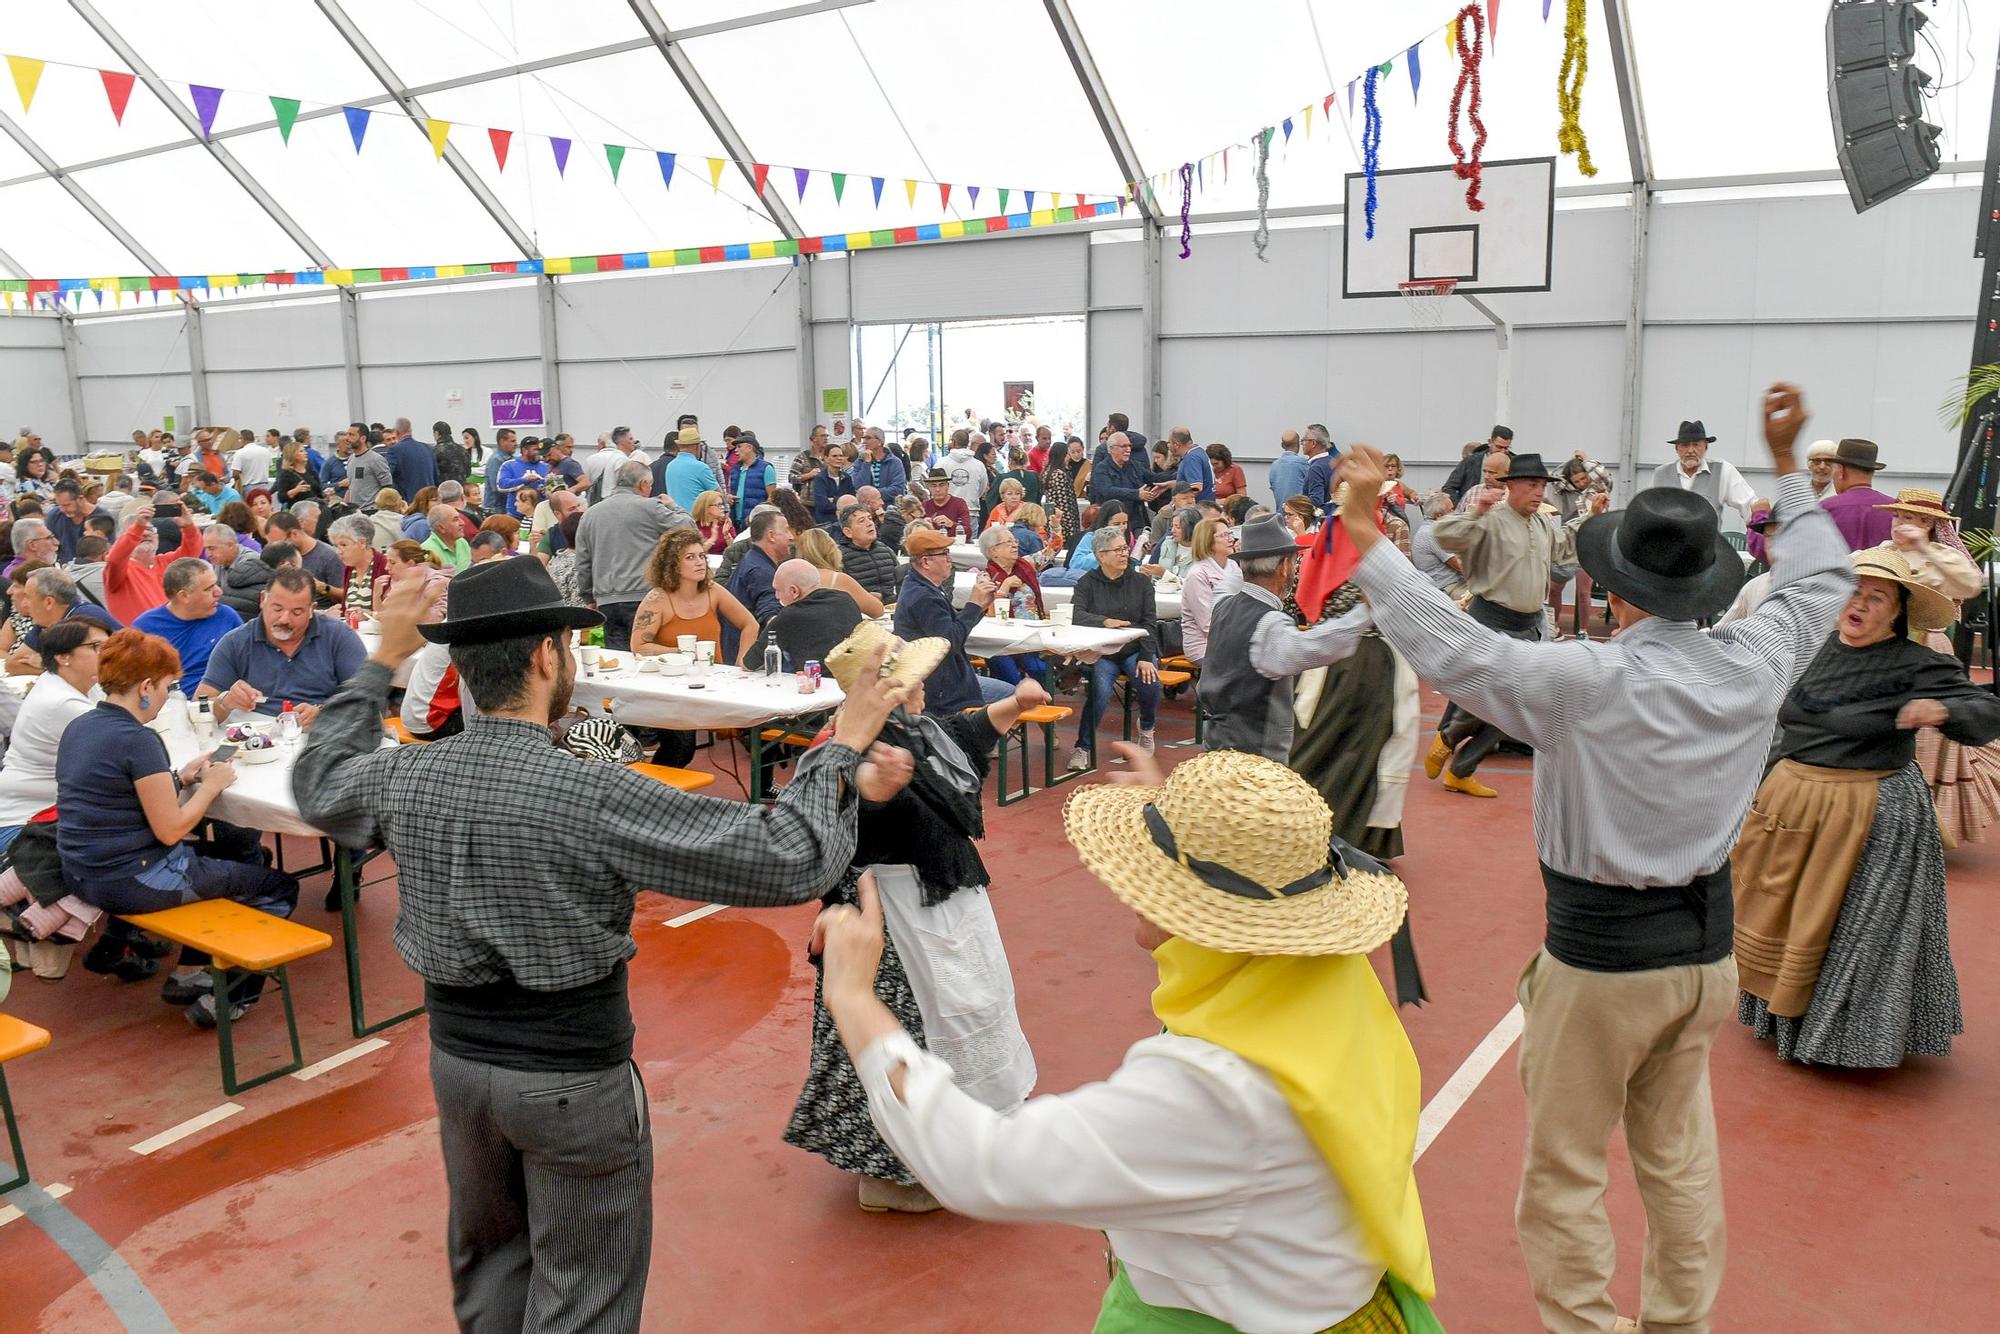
x=133, y=567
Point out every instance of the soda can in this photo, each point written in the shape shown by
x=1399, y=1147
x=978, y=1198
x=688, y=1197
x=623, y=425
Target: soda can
x=813, y=673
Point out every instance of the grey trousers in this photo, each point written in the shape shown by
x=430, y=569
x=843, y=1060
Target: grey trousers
x=1473, y=739
x=551, y=1180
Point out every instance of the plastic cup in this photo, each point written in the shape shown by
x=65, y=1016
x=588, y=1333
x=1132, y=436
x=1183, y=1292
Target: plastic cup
x=704, y=651
x=685, y=643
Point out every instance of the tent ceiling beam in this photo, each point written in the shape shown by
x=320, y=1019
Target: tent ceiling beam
x=1638, y=150
x=1099, y=96
x=79, y=194
x=377, y=66
x=669, y=44
x=113, y=39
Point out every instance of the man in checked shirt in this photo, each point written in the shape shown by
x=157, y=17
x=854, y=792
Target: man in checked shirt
x=523, y=943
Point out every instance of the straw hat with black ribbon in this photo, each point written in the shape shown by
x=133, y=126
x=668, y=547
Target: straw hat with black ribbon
x=1920, y=502
x=1235, y=853
x=1927, y=608
x=904, y=664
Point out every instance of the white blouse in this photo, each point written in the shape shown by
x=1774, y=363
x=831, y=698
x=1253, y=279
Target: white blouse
x=28, y=776
x=1188, y=1157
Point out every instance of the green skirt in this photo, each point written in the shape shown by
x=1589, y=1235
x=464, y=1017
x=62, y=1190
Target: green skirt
x=1394, y=1309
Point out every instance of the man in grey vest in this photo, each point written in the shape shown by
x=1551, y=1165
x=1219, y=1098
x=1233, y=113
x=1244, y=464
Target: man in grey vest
x=1714, y=480
x=1254, y=649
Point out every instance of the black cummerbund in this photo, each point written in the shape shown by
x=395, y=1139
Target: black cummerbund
x=1496, y=617
x=1618, y=929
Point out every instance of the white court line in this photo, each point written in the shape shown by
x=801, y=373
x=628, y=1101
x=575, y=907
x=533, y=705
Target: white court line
x=340, y=1058
x=9, y=1213
x=696, y=915
x=1459, y=1088
x=193, y=1125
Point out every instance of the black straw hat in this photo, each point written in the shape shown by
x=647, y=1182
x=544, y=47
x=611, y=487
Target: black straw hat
x=502, y=599
x=1692, y=433
x=1663, y=553
x=1528, y=468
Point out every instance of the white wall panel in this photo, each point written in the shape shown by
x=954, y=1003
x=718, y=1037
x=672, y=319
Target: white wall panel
x=833, y=360
x=450, y=323
x=116, y=406
x=1116, y=374
x=420, y=393
x=971, y=280
x=1117, y=271
x=30, y=331
x=34, y=384
x=757, y=391
x=314, y=399
x=142, y=345
x=274, y=337
x=698, y=311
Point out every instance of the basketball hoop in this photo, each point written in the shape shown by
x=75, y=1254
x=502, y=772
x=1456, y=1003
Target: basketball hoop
x=1425, y=300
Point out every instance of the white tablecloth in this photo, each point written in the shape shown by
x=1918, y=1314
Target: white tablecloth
x=261, y=796
x=993, y=638
x=726, y=697
x=1165, y=601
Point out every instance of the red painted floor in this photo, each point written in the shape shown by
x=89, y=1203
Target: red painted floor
x=1856, y=1202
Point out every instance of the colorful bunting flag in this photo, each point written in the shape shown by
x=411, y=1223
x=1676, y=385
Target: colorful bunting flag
x=799, y=178
x=876, y=181
x=759, y=173
x=118, y=90
x=27, y=74
x=499, y=139
x=1030, y=195
x=357, y=124
x=1416, y=73
x=1493, y=22
x=1350, y=96
x=1288, y=129
x=666, y=161
x=1326, y=107
x=715, y=166
x=1309, y=120
x=1004, y=192
x=560, y=147
x=615, y=155
x=839, y=185
x=944, y=195
x=1545, y=11
x=910, y=192
x=972, y=193
x=286, y=109
x=206, y=100
x=440, y=132
x=1451, y=33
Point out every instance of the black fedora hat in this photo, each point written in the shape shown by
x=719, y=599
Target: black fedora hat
x=1692, y=433
x=503, y=598
x=1663, y=553
x=1857, y=454
x=1527, y=468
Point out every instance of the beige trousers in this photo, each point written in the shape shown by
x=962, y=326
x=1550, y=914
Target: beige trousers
x=1598, y=1050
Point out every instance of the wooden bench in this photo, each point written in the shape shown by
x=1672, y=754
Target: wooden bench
x=1168, y=677
x=239, y=940
x=1182, y=663
x=1045, y=716
x=16, y=1039
x=404, y=736
x=782, y=736
x=687, y=780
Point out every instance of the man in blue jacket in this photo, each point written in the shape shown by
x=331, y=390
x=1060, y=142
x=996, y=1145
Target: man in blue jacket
x=924, y=611
x=412, y=464
x=1319, y=472
x=877, y=467
x=753, y=479
x=1120, y=473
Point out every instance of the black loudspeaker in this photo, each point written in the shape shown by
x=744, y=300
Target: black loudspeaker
x=1876, y=95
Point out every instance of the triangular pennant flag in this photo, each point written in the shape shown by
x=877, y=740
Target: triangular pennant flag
x=615, y=155
x=357, y=124
x=972, y=194
x=759, y=173
x=1309, y=120
x=1200, y=177
x=1326, y=107
x=1493, y=22
x=876, y=182
x=715, y=166
x=499, y=139
x=439, y=131
x=1451, y=33
x=1416, y=72
x=839, y=185
x=1030, y=196
x=799, y=177
x=1225, y=166
x=1288, y=129
x=27, y=74
x=910, y=192
x=286, y=109
x=560, y=147
x=1545, y=11
x=118, y=90
x=1350, y=95
x=1004, y=192
x=206, y=100
x=944, y=195
x=666, y=161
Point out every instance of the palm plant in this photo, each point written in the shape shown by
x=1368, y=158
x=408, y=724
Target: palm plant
x=1981, y=383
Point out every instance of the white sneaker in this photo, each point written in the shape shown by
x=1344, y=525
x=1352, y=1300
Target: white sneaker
x=1079, y=760
x=1146, y=740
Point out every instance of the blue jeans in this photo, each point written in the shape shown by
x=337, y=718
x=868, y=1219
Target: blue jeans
x=992, y=691
x=1012, y=669
x=184, y=876
x=1104, y=675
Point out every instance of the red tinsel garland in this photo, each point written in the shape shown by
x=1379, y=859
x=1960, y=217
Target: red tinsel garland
x=1468, y=165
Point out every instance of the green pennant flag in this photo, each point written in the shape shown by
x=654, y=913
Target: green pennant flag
x=615, y=155
x=839, y=184
x=287, y=109
x=1004, y=192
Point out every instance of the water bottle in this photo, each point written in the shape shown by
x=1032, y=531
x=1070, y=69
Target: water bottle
x=288, y=726
x=774, y=661
x=179, y=717
x=958, y=533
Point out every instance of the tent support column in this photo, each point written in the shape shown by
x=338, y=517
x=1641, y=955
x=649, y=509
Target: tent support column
x=350, y=352
x=71, y=360
x=545, y=292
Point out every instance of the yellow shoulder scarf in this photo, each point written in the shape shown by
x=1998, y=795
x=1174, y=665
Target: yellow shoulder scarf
x=1324, y=1030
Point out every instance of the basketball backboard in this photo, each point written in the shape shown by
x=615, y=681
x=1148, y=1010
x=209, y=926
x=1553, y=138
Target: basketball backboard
x=1423, y=230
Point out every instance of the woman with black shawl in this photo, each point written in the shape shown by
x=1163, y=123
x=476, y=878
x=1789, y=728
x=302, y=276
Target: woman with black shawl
x=944, y=971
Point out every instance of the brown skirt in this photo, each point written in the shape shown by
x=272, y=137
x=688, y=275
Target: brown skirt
x=1801, y=841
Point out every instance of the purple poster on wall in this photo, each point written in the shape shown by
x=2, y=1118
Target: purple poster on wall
x=517, y=407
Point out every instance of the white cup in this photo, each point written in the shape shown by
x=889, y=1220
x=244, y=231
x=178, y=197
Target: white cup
x=704, y=652
x=589, y=654
x=685, y=643
x=1062, y=614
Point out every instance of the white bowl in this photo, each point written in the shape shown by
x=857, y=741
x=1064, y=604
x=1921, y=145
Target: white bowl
x=651, y=664
x=371, y=626
x=674, y=664
x=264, y=756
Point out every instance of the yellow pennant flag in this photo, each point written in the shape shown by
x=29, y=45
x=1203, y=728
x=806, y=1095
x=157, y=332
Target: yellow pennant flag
x=715, y=166
x=10, y=301
x=910, y=192
x=1309, y=120
x=27, y=74
x=440, y=130
x=1451, y=38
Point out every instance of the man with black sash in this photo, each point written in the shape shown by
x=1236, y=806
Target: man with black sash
x=1507, y=545
x=1647, y=750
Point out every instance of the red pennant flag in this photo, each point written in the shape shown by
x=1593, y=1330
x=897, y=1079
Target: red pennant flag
x=758, y=173
x=499, y=139
x=944, y=194
x=1326, y=107
x=118, y=88
x=1493, y=21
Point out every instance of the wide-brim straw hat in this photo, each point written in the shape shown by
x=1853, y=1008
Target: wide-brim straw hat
x=905, y=663
x=1237, y=855
x=1921, y=502
x=1928, y=608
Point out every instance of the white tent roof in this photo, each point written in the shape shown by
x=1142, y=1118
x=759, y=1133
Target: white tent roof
x=971, y=92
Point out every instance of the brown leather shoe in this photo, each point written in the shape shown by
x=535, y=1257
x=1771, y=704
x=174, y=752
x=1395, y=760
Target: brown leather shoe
x=885, y=1197
x=1434, y=762
x=1469, y=785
